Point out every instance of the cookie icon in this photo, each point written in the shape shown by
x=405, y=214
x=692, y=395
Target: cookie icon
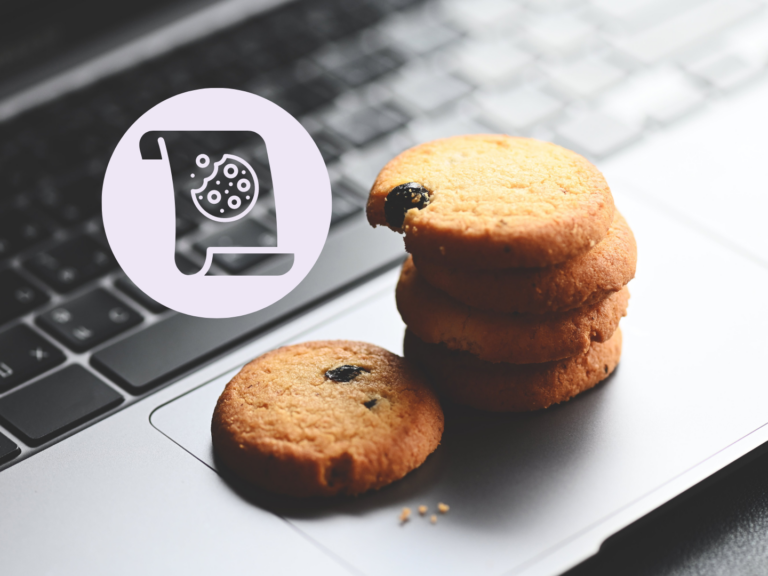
x=229, y=192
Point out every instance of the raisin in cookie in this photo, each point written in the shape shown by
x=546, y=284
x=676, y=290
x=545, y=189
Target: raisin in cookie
x=436, y=318
x=581, y=281
x=326, y=418
x=492, y=201
x=502, y=387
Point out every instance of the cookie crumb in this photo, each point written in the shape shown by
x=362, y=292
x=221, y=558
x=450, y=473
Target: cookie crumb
x=423, y=510
x=443, y=508
x=433, y=518
x=405, y=515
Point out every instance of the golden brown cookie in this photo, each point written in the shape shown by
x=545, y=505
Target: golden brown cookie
x=326, y=418
x=502, y=387
x=492, y=201
x=436, y=318
x=580, y=281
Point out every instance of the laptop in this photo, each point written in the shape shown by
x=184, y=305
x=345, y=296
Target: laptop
x=106, y=465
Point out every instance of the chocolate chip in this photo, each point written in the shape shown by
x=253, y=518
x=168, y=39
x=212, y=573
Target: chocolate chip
x=401, y=199
x=370, y=404
x=345, y=373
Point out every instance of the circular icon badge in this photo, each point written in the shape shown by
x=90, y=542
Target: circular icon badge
x=244, y=176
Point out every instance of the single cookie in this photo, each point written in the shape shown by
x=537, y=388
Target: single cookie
x=325, y=418
x=581, y=281
x=501, y=387
x=492, y=201
x=435, y=317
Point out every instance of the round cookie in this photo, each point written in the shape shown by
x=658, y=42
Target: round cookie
x=581, y=281
x=492, y=201
x=435, y=317
x=501, y=387
x=326, y=418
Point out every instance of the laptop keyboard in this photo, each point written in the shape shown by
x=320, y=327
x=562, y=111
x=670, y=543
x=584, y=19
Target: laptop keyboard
x=367, y=79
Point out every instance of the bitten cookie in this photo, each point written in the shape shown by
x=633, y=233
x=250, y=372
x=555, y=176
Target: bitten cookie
x=436, y=318
x=326, y=418
x=502, y=387
x=492, y=201
x=581, y=281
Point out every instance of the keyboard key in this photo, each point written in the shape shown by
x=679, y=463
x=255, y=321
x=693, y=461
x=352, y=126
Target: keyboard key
x=661, y=94
x=638, y=14
x=426, y=90
x=361, y=166
x=72, y=263
x=518, y=109
x=724, y=71
x=330, y=146
x=368, y=67
x=660, y=41
x=426, y=129
x=88, y=320
x=310, y=95
x=125, y=285
x=17, y=296
x=345, y=203
x=597, y=134
x=55, y=404
x=558, y=34
x=24, y=355
x=8, y=449
x=248, y=233
x=481, y=15
x=72, y=201
x=18, y=231
x=185, y=265
x=585, y=78
x=365, y=125
x=491, y=62
x=418, y=34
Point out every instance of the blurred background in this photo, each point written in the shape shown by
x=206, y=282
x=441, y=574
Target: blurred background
x=367, y=78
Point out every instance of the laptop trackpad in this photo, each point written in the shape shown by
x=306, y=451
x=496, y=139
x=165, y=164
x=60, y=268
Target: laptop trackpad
x=545, y=489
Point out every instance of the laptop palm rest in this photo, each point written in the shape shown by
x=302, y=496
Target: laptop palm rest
x=537, y=493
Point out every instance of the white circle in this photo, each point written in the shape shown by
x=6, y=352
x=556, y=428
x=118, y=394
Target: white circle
x=202, y=160
x=131, y=184
x=243, y=185
x=214, y=194
x=243, y=172
x=234, y=202
x=222, y=210
x=247, y=197
x=230, y=170
x=191, y=175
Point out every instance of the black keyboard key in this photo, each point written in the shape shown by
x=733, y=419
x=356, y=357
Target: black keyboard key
x=247, y=233
x=8, y=449
x=18, y=231
x=89, y=320
x=72, y=201
x=24, y=355
x=184, y=226
x=17, y=296
x=125, y=285
x=368, y=67
x=185, y=265
x=329, y=145
x=310, y=95
x=366, y=124
x=55, y=404
x=70, y=264
x=343, y=205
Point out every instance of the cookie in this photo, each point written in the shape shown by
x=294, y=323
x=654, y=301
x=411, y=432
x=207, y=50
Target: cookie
x=492, y=201
x=502, y=387
x=326, y=418
x=581, y=281
x=435, y=317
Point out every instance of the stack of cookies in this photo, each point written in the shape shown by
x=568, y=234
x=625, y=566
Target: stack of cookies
x=516, y=281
